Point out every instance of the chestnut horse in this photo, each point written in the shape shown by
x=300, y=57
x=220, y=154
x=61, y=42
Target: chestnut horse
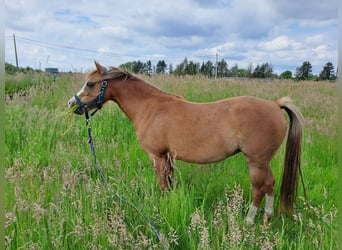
x=170, y=128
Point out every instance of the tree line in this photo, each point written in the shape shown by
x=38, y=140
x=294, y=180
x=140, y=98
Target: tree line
x=221, y=69
x=215, y=70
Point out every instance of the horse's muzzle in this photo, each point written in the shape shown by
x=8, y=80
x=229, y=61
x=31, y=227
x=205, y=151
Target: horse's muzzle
x=79, y=110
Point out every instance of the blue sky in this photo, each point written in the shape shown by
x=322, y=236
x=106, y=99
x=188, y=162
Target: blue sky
x=71, y=34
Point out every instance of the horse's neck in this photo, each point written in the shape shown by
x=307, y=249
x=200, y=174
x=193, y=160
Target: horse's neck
x=134, y=95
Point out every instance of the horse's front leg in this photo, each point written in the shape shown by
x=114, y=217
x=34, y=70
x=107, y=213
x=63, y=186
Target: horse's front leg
x=164, y=170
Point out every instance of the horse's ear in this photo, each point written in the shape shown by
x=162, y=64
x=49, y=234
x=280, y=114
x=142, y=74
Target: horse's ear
x=100, y=69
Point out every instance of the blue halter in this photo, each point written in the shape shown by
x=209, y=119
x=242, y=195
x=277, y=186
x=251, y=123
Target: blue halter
x=97, y=102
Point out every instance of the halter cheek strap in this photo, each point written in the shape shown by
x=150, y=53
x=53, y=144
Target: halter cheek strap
x=97, y=102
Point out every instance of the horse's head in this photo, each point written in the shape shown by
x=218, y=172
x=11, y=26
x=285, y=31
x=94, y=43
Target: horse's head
x=92, y=94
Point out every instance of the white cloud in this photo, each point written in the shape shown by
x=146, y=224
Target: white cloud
x=322, y=53
x=280, y=43
x=113, y=32
x=315, y=39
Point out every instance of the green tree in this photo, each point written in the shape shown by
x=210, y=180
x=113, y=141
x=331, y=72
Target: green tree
x=192, y=68
x=222, y=68
x=161, y=67
x=268, y=70
x=207, y=69
x=234, y=71
x=187, y=68
x=328, y=72
x=257, y=71
x=147, y=68
x=286, y=75
x=304, y=72
x=138, y=67
x=244, y=73
x=127, y=66
x=180, y=68
x=170, y=69
x=263, y=71
x=249, y=71
x=10, y=69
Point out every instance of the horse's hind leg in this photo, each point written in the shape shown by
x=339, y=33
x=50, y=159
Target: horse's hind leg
x=163, y=166
x=262, y=183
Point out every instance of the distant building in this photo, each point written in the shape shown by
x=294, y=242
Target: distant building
x=53, y=71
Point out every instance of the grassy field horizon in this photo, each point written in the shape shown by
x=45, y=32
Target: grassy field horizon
x=55, y=198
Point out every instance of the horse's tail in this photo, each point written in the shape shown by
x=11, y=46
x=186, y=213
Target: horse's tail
x=288, y=190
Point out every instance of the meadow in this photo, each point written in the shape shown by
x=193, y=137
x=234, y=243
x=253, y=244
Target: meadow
x=55, y=198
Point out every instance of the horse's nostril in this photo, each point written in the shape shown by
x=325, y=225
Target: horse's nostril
x=71, y=102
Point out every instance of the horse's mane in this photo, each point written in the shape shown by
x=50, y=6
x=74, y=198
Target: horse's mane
x=119, y=73
x=116, y=73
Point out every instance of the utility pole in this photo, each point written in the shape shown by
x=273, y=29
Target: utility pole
x=15, y=50
x=216, y=65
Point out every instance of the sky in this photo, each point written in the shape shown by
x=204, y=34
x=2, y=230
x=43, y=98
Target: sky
x=70, y=35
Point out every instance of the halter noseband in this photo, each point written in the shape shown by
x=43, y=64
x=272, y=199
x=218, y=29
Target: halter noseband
x=97, y=102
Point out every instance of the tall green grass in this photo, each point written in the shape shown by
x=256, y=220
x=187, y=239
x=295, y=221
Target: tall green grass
x=55, y=198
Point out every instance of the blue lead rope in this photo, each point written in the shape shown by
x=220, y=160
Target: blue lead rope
x=99, y=169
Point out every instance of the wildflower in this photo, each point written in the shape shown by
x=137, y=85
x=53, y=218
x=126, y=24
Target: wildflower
x=10, y=218
x=198, y=224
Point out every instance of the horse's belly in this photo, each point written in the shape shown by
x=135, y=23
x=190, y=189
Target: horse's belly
x=203, y=151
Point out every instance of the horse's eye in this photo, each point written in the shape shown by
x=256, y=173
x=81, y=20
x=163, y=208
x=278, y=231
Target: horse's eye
x=90, y=84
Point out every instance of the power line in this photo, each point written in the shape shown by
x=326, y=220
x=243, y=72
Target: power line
x=91, y=53
x=103, y=53
x=60, y=46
